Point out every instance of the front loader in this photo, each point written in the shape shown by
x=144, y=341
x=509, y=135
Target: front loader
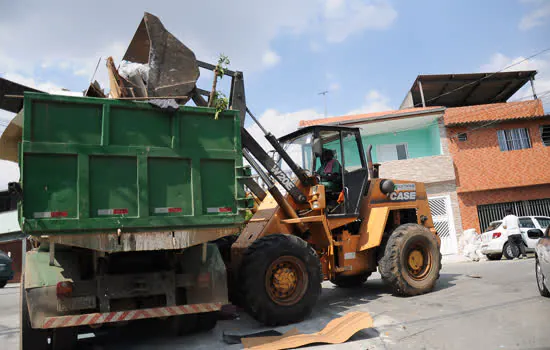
x=337, y=225
x=348, y=225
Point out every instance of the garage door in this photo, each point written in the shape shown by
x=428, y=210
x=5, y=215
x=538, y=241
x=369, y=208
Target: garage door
x=493, y=212
x=440, y=208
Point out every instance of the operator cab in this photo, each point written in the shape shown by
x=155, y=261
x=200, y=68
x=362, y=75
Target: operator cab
x=335, y=155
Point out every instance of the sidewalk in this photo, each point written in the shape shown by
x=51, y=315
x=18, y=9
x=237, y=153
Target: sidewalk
x=454, y=258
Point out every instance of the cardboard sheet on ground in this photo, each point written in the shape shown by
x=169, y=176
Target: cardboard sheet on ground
x=336, y=331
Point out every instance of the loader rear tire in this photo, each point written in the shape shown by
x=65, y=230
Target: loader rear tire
x=411, y=260
x=281, y=279
x=350, y=281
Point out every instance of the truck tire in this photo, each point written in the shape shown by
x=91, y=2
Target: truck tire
x=281, y=279
x=510, y=251
x=193, y=323
x=497, y=256
x=411, y=260
x=207, y=321
x=29, y=338
x=64, y=338
x=350, y=281
x=224, y=246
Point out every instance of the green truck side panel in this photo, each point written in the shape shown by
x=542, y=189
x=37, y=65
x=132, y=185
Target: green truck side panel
x=52, y=179
x=103, y=164
x=66, y=123
x=216, y=194
x=170, y=185
x=113, y=185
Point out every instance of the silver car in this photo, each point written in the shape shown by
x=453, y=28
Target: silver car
x=542, y=259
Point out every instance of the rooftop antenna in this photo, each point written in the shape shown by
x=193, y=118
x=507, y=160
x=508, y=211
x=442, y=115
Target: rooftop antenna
x=324, y=93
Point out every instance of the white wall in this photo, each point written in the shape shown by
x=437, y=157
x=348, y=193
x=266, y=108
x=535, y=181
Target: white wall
x=9, y=222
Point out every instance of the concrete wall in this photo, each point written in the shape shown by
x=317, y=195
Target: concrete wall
x=9, y=222
x=427, y=169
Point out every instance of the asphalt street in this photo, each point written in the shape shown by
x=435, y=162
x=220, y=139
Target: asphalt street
x=485, y=305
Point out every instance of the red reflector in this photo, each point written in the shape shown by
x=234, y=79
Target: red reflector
x=120, y=211
x=496, y=235
x=225, y=210
x=64, y=289
x=174, y=210
x=59, y=214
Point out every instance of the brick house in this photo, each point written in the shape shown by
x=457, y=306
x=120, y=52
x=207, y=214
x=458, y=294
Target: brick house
x=501, y=155
x=409, y=144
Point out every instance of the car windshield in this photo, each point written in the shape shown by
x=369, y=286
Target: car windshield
x=543, y=222
x=493, y=226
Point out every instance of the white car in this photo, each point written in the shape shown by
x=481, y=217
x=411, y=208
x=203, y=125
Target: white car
x=494, y=241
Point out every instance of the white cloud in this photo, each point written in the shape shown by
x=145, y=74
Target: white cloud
x=47, y=86
x=314, y=46
x=280, y=124
x=334, y=86
x=540, y=63
x=374, y=102
x=345, y=18
x=270, y=58
x=78, y=38
x=537, y=17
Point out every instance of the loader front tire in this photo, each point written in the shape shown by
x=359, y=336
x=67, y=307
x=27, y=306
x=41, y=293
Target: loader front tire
x=281, y=279
x=411, y=260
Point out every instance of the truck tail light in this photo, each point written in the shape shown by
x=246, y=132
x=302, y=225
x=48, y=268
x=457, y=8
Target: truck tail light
x=203, y=280
x=496, y=235
x=64, y=289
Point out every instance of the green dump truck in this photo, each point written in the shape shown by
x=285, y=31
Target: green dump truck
x=124, y=200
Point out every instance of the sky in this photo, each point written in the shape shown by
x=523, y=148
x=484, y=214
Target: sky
x=365, y=53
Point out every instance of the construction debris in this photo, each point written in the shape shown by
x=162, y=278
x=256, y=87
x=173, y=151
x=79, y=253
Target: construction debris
x=336, y=331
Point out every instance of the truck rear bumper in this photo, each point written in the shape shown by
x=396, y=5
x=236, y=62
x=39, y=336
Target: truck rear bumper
x=129, y=315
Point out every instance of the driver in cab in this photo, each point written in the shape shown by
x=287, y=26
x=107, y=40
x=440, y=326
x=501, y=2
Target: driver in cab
x=330, y=171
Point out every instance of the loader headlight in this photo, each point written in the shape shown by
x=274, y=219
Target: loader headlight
x=387, y=186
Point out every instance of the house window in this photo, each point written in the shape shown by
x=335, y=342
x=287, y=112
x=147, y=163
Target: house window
x=513, y=139
x=391, y=152
x=545, y=134
x=462, y=137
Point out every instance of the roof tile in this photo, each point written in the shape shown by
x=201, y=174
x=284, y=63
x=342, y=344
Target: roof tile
x=351, y=118
x=494, y=112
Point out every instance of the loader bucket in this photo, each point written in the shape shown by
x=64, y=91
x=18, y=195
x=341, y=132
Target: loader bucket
x=173, y=69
